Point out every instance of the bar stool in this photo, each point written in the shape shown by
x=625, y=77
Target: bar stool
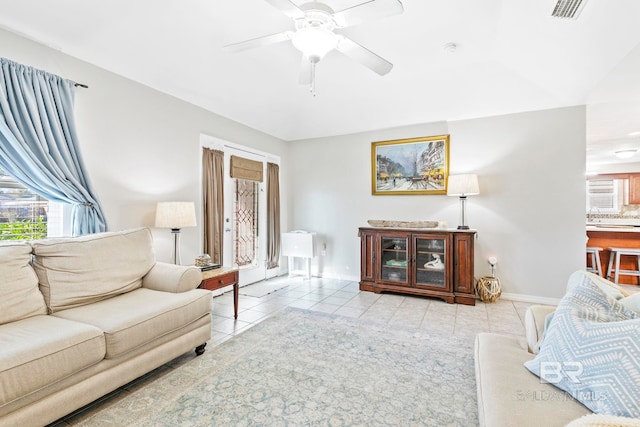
x=593, y=254
x=616, y=253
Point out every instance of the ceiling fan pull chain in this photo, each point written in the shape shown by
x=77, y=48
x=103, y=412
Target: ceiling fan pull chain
x=312, y=87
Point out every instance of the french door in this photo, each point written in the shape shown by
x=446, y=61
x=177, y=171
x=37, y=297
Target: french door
x=245, y=220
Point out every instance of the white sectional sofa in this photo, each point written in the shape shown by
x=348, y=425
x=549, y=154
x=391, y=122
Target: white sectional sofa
x=509, y=395
x=80, y=317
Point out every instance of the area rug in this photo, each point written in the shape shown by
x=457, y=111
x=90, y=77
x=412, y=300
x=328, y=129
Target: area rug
x=304, y=368
x=264, y=287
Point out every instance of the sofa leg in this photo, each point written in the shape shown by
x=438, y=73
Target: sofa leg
x=200, y=349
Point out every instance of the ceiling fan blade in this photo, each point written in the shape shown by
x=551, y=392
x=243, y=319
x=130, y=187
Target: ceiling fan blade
x=305, y=71
x=364, y=56
x=287, y=7
x=367, y=11
x=258, y=42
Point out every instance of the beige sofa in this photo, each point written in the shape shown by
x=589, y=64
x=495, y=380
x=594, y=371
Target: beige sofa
x=511, y=396
x=508, y=394
x=80, y=317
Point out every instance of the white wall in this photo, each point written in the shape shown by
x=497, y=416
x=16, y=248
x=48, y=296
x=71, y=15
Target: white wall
x=530, y=213
x=140, y=146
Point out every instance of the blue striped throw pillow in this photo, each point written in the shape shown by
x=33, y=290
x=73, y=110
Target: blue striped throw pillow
x=592, y=351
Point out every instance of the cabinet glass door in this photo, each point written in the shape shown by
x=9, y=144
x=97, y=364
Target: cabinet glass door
x=431, y=262
x=394, y=262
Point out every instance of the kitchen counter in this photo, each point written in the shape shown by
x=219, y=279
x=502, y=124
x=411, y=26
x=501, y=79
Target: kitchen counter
x=614, y=228
x=615, y=236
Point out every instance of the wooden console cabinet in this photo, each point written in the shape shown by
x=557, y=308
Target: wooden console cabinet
x=430, y=262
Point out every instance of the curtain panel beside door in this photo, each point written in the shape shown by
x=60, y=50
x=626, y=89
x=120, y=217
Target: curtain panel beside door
x=273, y=215
x=213, y=202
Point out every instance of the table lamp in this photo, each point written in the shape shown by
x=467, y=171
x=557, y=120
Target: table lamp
x=175, y=215
x=463, y=186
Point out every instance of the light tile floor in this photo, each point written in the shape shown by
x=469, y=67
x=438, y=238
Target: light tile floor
x=343, y=298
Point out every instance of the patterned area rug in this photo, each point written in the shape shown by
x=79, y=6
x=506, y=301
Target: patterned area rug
x=304, y=368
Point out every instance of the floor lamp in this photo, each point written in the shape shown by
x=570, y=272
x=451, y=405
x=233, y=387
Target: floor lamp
x=463, y=186
x=175, y=215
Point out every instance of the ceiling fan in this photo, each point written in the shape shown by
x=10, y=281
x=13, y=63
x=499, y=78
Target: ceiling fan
x=314, y=33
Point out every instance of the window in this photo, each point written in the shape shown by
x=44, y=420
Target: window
x=246, y=222
x=603, y=195
x=23, y=214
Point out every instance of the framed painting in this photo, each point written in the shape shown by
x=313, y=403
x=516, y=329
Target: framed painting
x=410, y=166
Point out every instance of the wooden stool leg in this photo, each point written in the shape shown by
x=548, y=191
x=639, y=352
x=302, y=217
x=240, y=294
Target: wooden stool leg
x=611, y=255
x=617, y=268
x=599, y=266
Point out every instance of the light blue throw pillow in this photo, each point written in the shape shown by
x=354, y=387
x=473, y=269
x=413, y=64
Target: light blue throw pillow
x=632, y=302
x=591, y=350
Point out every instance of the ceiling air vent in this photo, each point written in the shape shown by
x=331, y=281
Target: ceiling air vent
x=568, y=8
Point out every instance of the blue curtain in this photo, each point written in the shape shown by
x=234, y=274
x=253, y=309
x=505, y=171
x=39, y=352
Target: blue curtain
x=38, y=141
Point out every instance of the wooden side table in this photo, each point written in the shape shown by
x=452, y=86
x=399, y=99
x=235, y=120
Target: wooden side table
x=219, y=278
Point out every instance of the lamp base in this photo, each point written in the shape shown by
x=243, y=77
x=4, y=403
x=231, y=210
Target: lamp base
x=463, y=213
x=175, y=251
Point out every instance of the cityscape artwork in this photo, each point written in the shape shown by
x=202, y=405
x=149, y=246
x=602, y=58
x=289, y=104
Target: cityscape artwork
x=410, y=166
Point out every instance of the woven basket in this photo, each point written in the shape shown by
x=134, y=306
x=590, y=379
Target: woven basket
x=489, y=289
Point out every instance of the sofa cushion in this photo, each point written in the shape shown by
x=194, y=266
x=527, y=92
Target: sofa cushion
x=536, y=319
x=19, y=293
x=133, y=319
x=82, y=270
x=592, y=350
x=510, y=395
x=41, y=350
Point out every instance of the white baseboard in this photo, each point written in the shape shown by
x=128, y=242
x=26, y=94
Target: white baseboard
x=530, y=298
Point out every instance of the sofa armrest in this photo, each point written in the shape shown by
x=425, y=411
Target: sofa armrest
x=172, y=278
x=534, y=323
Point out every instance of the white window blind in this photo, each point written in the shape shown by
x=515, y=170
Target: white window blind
x=602, y=195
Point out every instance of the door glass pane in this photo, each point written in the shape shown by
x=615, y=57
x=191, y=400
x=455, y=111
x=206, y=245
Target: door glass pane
x=430, y=262
x=394, y=259
x=246, y=222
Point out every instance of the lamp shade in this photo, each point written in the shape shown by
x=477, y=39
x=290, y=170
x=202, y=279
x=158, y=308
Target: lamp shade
x=175, y=214
x=463, y=185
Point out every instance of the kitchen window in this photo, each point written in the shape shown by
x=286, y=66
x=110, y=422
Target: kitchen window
x=603, y=195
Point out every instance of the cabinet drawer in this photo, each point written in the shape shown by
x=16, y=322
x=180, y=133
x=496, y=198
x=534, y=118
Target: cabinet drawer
x=220, y=281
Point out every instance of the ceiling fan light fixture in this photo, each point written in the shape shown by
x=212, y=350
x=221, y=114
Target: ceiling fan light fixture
x=625, y=154
x=314, y=42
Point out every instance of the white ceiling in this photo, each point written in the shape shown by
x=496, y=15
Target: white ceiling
x=512, y=56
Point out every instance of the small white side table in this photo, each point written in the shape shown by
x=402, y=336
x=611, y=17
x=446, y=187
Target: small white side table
x=299, y=244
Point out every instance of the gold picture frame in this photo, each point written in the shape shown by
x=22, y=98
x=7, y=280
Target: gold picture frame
x=410, y=166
